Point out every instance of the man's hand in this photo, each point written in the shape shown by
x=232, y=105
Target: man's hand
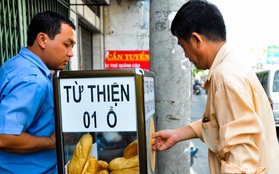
x=164, y=139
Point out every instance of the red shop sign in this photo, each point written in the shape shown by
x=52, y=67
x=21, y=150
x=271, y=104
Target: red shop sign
x=127, y=59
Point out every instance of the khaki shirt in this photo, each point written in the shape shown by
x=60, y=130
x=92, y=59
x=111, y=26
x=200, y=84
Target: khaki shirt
x=238, y=124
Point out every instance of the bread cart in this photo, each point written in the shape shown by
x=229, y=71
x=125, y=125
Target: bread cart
x=105, y=116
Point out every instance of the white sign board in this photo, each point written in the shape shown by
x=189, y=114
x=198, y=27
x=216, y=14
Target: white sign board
x=149, y=97
x=98, y=104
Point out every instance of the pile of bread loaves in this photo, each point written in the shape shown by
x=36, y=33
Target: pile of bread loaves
x=82, y=163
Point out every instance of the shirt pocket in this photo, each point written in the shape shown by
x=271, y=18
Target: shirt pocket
x=210, y=132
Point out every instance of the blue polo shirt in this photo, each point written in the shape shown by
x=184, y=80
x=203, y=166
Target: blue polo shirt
x=26, y=104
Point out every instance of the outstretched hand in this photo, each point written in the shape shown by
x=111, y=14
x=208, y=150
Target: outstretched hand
x=164, y=140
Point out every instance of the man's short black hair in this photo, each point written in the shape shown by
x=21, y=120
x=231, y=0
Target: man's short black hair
x=199, y=16
x=48, y=22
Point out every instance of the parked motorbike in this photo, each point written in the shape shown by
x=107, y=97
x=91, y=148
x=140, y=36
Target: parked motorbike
x=193, y=152
x=197, y=89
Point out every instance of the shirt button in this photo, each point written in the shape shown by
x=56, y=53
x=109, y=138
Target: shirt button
x=205, y=119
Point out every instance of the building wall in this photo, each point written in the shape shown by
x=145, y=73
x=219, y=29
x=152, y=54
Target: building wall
x=126, y=25
x=123, y=25
x=83, y=15
x=74, y=60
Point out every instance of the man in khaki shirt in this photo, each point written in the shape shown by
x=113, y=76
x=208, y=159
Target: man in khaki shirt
x=238, y=124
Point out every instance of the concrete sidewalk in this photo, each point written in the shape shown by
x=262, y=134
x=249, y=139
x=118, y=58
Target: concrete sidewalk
x=192, y=171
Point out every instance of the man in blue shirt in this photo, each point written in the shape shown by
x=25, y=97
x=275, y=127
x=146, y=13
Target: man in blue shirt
x=27, y=129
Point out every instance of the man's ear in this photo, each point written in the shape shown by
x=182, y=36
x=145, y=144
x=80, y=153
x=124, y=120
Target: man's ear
x=41, y=39
x=196, y=39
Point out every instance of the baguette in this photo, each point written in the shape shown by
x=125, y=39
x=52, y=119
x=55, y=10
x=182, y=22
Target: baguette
x=103, y=172
x=133, y=170
x=131, y=150
x=80, y=155
x=102, y=165
x=123, y=163
x=91, y=166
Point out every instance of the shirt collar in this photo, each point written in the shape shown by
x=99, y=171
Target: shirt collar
x=27, y=54
x=224, y=50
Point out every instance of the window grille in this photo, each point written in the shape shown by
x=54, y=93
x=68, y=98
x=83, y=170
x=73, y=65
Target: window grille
x=15, y=15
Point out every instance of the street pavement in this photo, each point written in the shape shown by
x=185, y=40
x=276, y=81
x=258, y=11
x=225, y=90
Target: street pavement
x=200, y=165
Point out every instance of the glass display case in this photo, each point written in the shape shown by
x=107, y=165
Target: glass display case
x=104, y=119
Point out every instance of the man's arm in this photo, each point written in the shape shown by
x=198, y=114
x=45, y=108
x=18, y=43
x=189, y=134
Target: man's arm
x=26, y=143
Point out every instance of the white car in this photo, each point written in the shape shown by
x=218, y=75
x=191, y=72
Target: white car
x=269, y=79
